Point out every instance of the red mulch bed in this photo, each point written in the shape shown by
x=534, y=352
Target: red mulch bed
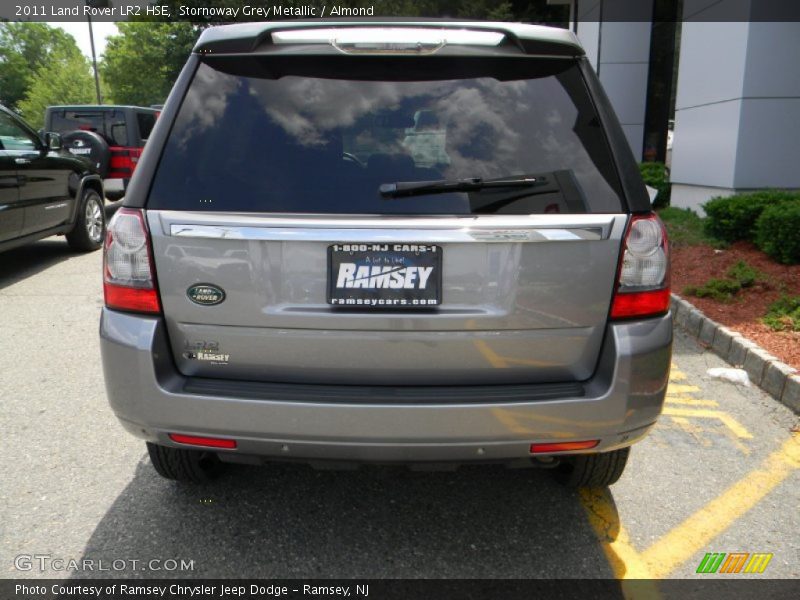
x=695, y=265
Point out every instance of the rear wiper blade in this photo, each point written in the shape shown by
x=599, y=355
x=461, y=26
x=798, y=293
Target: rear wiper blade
x=402, y=189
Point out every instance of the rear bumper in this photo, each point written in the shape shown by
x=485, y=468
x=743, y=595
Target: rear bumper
x=617, y=405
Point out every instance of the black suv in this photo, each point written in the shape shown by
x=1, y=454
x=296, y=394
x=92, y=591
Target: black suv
x=111, y=136
x=46, y=191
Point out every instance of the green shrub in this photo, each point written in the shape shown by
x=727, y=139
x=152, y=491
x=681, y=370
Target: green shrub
x=784, y=314
x=734, y=217
x=744, y=274
x=722, y=290
x=655, y=175
x=778, y=232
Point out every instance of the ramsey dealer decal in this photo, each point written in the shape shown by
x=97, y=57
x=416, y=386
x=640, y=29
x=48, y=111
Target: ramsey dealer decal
x=352, y=275
x=208, y=351
x=384, y=275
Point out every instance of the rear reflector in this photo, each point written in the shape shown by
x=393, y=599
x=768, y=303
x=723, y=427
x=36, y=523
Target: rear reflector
x=637, y=304
x=127, y=298
x=563, y=446
x=193, y=440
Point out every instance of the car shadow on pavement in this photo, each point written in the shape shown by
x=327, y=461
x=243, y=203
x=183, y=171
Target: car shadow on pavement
x=26, y=261
x=290, y=521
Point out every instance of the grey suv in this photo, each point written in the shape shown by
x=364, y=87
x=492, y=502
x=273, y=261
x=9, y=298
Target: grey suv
x=422, y=242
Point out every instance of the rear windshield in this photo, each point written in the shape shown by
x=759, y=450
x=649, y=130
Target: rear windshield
x=110, y=124
x=324, y=135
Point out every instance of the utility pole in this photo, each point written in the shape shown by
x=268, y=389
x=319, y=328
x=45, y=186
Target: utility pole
x=95, y=4
x=94, y=62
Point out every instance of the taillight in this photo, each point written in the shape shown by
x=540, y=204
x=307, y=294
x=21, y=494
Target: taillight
x=642, y=287
x=123, y=162
x=128, y=280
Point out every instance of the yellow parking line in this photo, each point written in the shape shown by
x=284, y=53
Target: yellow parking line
x=737, y=428
x=623, y=559
x=674, y=371
x=691, y=401
x=691, y=536
x=675, y=388
x=695, y=533
x=692, y=429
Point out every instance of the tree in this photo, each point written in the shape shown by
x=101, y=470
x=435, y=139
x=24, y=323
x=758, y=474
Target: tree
x=143, y=61
x=24, y=49
x=65, y=79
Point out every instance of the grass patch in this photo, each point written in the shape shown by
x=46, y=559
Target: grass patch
x=739, y=276
x=784, y=314
x=745, y=275
x=686, y=228
x=721, y=290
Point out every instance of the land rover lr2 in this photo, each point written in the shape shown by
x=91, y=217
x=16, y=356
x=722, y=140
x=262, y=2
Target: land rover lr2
x=390, y=242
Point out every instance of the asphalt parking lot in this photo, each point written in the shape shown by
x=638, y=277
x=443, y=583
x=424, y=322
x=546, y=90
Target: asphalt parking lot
x=720, y=473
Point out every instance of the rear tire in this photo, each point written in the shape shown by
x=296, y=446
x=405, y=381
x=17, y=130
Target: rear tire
x=190, y=466
x=89, y=230
x=592, y=470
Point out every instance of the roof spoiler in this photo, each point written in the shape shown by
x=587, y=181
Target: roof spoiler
x=252, y=37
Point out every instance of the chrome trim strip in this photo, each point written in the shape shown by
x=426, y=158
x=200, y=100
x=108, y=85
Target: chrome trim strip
x=314, y=228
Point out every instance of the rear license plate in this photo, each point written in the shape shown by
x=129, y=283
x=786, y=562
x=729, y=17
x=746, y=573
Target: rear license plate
x=385, y=275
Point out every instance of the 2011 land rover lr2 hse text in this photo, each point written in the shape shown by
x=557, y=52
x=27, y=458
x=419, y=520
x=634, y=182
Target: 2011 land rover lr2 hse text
x=390, y=242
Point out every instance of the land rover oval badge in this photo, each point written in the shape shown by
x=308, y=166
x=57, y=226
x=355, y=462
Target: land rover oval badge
x=206, y=294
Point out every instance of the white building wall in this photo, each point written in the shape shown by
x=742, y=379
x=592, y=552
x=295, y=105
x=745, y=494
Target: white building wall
x=620, y=54
x=707, y=111
x=737, y=118
x=768, y=153
x=588, y=28
x=589, y=36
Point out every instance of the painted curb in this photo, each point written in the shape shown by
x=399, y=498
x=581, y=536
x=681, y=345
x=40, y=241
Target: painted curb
x=778, y=379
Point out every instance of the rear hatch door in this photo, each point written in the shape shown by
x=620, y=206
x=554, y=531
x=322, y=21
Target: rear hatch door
x=279, y=258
